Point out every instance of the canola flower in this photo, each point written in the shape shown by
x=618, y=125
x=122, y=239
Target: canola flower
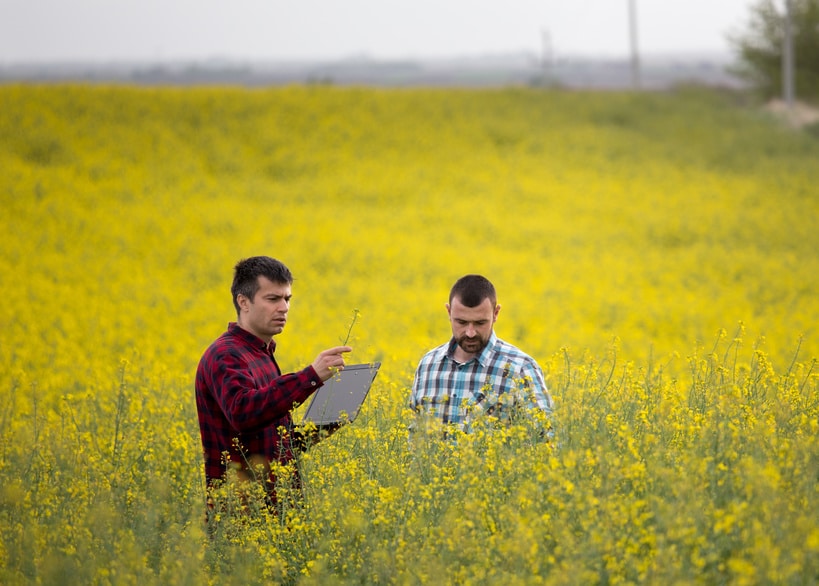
x=627, y=235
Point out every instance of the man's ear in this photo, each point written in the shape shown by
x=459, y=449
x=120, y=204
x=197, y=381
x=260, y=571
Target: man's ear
x=242, y=301
x=448, y=309
x=497, y=311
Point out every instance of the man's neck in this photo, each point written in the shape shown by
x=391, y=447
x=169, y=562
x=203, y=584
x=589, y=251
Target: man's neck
x=461, y=356
x=265, y=339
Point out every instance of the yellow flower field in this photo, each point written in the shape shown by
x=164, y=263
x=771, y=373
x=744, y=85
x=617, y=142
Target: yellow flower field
x=656, y=253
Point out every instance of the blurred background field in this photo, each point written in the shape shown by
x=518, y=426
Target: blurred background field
x=623, y=231
x=655, y=218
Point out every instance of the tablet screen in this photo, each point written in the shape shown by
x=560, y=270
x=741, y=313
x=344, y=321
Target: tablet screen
x=342, y=394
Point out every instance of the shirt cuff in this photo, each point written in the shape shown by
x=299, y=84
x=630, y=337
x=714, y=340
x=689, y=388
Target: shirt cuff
x=312, y=377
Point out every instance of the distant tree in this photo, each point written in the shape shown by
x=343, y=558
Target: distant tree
x=760, y=47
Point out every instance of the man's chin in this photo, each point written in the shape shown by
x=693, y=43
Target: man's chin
x=471, y=347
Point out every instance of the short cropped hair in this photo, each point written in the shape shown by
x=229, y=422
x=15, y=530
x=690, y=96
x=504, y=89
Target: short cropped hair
x=247, y=272
x=472, y=290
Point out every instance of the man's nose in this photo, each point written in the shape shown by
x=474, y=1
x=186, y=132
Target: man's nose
x=470, y=331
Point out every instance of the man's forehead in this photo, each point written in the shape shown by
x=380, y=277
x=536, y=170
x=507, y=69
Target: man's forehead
x=268, y=287
x=458, y=309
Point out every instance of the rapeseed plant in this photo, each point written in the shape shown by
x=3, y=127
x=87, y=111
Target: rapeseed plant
x=626, y=233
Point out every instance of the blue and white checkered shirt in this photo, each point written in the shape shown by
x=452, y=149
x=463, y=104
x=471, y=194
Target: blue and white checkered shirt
x=499, y=377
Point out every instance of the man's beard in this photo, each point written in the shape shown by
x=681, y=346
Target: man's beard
x=472, y=345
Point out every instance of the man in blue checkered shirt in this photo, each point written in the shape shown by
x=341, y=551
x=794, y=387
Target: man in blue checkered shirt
x=476, y=373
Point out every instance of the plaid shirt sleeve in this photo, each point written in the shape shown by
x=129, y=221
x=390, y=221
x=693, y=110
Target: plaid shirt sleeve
x=521, y=383
x=233, y=377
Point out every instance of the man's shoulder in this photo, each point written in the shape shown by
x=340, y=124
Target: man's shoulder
x=435, y=354
x=509, y=351
x=225, y=339
x=227, y=343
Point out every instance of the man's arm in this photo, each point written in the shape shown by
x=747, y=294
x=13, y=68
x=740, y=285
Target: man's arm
x=248, y=407
x=421, y=383
x=539, y=397
x=306, y=436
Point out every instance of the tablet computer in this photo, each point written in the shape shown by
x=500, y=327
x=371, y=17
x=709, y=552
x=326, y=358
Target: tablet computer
x=341, y=396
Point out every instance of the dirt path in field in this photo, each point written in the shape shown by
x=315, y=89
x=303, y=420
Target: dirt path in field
x=798, y=116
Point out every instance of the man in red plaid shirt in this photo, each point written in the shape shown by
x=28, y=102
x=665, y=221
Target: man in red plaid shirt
x=243, y=399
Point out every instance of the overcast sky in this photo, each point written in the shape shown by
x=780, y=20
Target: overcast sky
x=117, y=30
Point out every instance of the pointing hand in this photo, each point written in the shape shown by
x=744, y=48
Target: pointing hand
x=330, y=361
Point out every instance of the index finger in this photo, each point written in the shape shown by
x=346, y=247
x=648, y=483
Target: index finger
x=338, y=350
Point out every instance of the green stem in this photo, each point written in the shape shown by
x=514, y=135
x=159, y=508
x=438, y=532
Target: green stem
x=356, y=312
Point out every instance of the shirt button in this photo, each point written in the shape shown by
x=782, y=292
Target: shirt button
x=313, y=383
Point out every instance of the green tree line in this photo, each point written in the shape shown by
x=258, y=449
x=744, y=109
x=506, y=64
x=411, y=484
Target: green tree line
x=760, y=47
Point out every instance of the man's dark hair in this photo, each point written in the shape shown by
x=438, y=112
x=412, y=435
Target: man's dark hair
x=247, y=272
x=472, y=290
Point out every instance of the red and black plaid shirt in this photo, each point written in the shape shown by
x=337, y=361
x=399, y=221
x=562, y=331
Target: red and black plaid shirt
x=243, y=400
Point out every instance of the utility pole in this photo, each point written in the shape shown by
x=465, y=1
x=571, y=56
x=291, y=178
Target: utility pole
x=635, y=56
x=787, y=58
x=546, y=50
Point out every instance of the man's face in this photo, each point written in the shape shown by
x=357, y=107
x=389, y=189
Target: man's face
x=472, y=326
x=266, y=314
